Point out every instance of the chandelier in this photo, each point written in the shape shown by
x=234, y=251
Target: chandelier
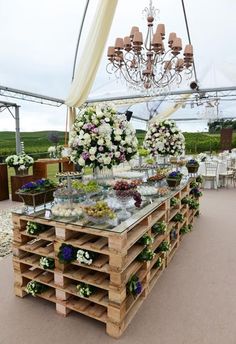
x=146, y=64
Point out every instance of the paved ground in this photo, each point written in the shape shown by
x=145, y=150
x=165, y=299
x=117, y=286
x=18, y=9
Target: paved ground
x=194, y=302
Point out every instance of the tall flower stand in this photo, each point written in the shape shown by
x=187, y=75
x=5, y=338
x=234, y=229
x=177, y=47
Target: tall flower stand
x=4, y=191
x=16, y=183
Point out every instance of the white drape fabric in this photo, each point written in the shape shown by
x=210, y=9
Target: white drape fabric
x=173, y=108
x=92, y=53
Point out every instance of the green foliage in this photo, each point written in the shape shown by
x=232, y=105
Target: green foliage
x=146, y=255
x=36, y=143
x=217, y=125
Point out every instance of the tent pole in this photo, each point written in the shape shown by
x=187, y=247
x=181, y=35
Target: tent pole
x=17, y=134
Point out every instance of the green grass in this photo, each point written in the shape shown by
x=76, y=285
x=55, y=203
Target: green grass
x=37, y=143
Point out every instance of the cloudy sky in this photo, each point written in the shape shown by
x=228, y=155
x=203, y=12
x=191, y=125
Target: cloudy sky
x=38, y=40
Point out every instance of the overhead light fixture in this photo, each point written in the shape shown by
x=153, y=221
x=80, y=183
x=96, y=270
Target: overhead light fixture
x=146, y=64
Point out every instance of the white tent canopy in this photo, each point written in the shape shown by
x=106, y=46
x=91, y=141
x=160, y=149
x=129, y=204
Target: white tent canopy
x=38, y=40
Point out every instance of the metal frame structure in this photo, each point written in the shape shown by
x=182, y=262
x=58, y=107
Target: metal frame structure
x=7, y=106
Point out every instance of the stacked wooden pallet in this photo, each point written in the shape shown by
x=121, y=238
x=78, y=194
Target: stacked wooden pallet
x=110, y=272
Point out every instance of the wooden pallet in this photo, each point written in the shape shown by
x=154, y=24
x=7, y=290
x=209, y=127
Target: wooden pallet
x=109, y=272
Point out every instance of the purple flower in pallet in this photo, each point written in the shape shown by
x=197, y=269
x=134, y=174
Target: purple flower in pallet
x=67, y=253
x=138, y=287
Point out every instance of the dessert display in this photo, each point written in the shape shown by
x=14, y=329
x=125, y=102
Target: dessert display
x=145, y=190
x=129, y=175
x=69, y=211
x=68, y=174
x=163, y=191
x=90, y=187
x=99, y=213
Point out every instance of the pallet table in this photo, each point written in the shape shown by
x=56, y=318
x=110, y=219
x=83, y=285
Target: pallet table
x=110, y=271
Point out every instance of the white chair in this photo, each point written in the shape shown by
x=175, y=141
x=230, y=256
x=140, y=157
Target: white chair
x=228, y=175
x=211, y=174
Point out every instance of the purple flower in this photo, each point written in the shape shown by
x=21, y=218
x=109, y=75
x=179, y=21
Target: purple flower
x=122, y=157
x=67, y=253
x=85, y=155
x=101, y=149
x=95, y=130
x=138, y=287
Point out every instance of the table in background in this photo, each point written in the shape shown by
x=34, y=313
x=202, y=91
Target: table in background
x=40, y=166
x=4, y=191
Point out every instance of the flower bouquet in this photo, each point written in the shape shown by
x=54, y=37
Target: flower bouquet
x=164, y=138
x=37, y=192
x=192, y=166
x=100, y=138
x=21, y=163
x=85, y=290
x=173, y=179
x=34, y=288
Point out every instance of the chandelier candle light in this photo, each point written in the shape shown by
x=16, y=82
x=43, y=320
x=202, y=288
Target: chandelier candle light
x=147, y=64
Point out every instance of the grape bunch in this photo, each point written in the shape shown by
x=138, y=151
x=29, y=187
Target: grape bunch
x=125, y=190
x=122, y=185
x=138, y=199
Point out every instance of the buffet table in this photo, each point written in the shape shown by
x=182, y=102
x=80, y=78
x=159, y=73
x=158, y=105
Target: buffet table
x=117, y=247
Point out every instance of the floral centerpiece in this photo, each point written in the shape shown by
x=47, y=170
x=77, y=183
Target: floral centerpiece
x=192, y=166
x=100, y=138
x=164, y=138
x=21, y=163
x=37, y=192
x=174, y=178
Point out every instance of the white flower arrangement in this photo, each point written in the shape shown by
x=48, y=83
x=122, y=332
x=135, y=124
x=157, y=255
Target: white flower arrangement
x=84, y=257
x=164, y=138
x=55, y=151
x=100, y=138
x=21, y=161
x=47, y=263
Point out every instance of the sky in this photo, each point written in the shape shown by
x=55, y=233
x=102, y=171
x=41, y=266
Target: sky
x=38, y=40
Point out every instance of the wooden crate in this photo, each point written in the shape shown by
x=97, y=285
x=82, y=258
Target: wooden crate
x=109, y=272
